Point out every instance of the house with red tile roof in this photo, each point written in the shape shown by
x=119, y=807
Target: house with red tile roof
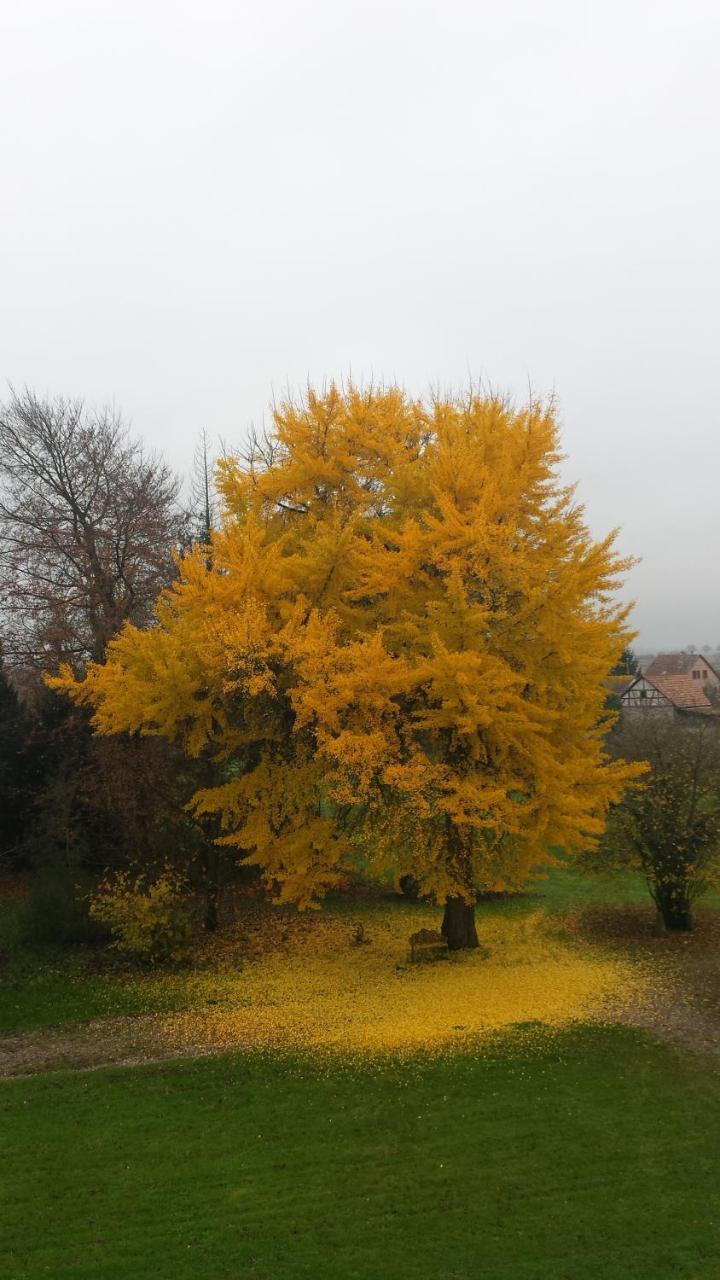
x=676, y=683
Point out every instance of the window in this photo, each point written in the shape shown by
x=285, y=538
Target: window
x=696, y=675
x=704, y=674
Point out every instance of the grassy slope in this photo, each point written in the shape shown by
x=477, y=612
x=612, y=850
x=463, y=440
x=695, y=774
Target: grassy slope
x=593, y=1156
x=41, y=989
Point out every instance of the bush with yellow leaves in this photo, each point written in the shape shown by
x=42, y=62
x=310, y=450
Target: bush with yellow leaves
x=148, y=919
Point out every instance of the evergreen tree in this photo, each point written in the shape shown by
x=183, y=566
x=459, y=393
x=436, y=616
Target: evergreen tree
x=627, y=664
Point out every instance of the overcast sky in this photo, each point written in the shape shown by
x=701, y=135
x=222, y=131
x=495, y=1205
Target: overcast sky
x=203, y=204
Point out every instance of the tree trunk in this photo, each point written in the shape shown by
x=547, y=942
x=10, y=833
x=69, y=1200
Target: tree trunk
x=675, y=909
x=212, y=892
x=458, y=925
x=677, y=919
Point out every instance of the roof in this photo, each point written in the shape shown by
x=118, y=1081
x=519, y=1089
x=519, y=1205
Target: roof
x=675, y=664
x=683, y=691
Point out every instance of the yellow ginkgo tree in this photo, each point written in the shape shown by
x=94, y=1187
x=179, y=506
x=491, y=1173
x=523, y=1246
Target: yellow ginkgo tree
x=394, y=651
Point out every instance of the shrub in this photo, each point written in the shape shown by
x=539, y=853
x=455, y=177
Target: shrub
x=670, y=825
x=148, y=919
x=56, y=912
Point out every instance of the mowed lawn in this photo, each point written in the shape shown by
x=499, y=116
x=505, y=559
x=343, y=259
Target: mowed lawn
x=587, y=1154
x=577, y=1153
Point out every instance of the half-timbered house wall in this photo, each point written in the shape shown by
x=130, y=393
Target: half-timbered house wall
x=642, y=696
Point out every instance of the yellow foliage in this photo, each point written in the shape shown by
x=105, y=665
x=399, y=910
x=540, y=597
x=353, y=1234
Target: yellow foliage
x=147, y=918
x=315, y=990
x=395, y=651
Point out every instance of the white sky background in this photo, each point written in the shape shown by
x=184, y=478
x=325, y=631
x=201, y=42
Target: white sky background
x=204, y=204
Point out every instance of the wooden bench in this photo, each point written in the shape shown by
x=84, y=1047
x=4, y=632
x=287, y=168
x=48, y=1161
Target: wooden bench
x=426, y=944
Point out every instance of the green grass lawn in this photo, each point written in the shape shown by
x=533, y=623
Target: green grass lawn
x=588, y=1154
x=592, y=1156
x=45, y=987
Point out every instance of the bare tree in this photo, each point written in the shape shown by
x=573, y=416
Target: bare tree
x=203, y=495
x=88, y=525
x=201, y=519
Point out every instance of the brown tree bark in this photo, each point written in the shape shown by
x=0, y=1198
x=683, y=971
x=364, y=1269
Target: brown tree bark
x=212, y=889
x=458, y=926
x=675, y=909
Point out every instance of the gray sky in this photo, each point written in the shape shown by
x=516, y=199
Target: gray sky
x=203, y=204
